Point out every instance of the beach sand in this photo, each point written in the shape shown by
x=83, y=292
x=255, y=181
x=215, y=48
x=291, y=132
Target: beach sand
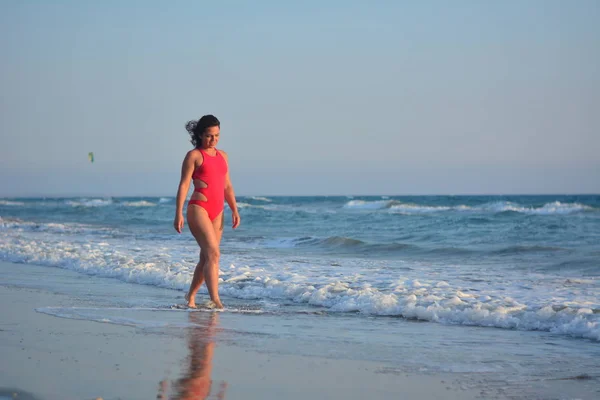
x=48, y=357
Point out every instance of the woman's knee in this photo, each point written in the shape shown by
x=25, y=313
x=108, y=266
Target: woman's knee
x=212, y=254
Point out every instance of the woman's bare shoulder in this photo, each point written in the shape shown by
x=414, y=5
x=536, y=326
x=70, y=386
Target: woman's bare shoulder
x=193, y=154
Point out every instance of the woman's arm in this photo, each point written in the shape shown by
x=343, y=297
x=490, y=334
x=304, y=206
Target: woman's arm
x=230, y=196
x=187, y=169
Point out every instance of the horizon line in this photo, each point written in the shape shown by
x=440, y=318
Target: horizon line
x=312, y=195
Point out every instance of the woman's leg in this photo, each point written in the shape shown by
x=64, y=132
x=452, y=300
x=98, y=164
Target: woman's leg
x=197, y=281
x=218, y=229
x=208, y=239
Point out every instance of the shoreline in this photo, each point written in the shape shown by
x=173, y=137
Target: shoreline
x=68, y=335
x=63, y=358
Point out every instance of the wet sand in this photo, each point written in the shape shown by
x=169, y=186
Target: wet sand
x=47, y=357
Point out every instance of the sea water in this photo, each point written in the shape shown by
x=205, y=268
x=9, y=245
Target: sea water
x=517, y=276
x=510, y=262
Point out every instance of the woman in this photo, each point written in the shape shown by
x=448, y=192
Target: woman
x=208, y=168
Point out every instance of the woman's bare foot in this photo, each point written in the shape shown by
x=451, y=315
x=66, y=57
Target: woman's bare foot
x=191, y=301
x=213, y=305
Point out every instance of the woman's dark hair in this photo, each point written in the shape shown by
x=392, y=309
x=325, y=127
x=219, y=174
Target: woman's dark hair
x=197, y=128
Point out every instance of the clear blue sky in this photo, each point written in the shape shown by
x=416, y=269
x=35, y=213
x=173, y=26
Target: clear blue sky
x=315, y=97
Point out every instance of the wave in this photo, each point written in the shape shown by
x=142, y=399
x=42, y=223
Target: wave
x=259, y=198
x=108, y=202
x=11, y=203
x=341, y=241
x=352, y=245
x=396, y=206
x=266, y=207
x=165, y=200
x=399, y=207
x=555, y=207
x=245, y=205
x=584, y=265
x=419, y=299
x=310, y=241
x=89, y=202
x=281, y=208
x=349, y=244
x=141, y=203
x=369, y=205
x=413, y=208
x=510, y=250
x=15, y=224
x=270, y=207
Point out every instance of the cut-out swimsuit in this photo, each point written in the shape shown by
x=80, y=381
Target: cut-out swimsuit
x=212, y=172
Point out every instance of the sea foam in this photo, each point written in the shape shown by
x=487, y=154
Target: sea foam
x=11, y=203
x=567, y=310
x=89, y=202
x=141, y=203
x=493, y=207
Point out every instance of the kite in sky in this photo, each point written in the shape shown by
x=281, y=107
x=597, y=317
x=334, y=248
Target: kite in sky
x=91, y=156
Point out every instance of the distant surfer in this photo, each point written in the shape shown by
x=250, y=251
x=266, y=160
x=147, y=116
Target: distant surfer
x=208, y=168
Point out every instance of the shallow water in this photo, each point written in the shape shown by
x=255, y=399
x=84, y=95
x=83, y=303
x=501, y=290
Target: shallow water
x=498, y=363
x=512, y=262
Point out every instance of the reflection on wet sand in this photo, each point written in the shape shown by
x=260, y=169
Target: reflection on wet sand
x=195, y=382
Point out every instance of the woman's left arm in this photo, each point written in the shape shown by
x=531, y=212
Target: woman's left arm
x=230, y=196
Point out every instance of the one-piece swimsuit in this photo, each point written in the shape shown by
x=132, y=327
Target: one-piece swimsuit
x=212, y=172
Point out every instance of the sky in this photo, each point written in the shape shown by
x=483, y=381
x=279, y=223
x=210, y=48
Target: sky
x=314, y=97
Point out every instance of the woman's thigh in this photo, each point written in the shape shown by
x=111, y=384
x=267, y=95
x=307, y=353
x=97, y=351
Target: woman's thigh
x=218, y=227
x=202, y=228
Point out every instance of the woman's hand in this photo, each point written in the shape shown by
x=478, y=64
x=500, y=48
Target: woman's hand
x=178, y=223
x=235, y=218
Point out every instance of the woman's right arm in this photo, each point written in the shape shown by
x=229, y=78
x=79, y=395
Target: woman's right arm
x=187, y=169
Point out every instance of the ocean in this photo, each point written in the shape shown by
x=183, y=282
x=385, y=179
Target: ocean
x=500, y=292
x=528, y=263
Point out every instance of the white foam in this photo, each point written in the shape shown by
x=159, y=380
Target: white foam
x=11, y=203
x=368, y=205
x=557, y=207
x=400, y=207
x=241, y=204
x=141, y=203
x=90, y=202
x=414, y=208
x=396, y=206
x=16, y=225
x=165, y=199
x=561, y=305
x=547, y=209
x=270, y=207
x=282, y=208
x=259, y=198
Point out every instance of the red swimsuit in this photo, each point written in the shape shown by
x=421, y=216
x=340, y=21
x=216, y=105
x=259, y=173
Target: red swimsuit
x=212, y=171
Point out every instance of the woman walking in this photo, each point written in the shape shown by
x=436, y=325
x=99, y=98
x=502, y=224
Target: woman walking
x=208, y=168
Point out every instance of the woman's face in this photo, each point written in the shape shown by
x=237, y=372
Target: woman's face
x=210, y=137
